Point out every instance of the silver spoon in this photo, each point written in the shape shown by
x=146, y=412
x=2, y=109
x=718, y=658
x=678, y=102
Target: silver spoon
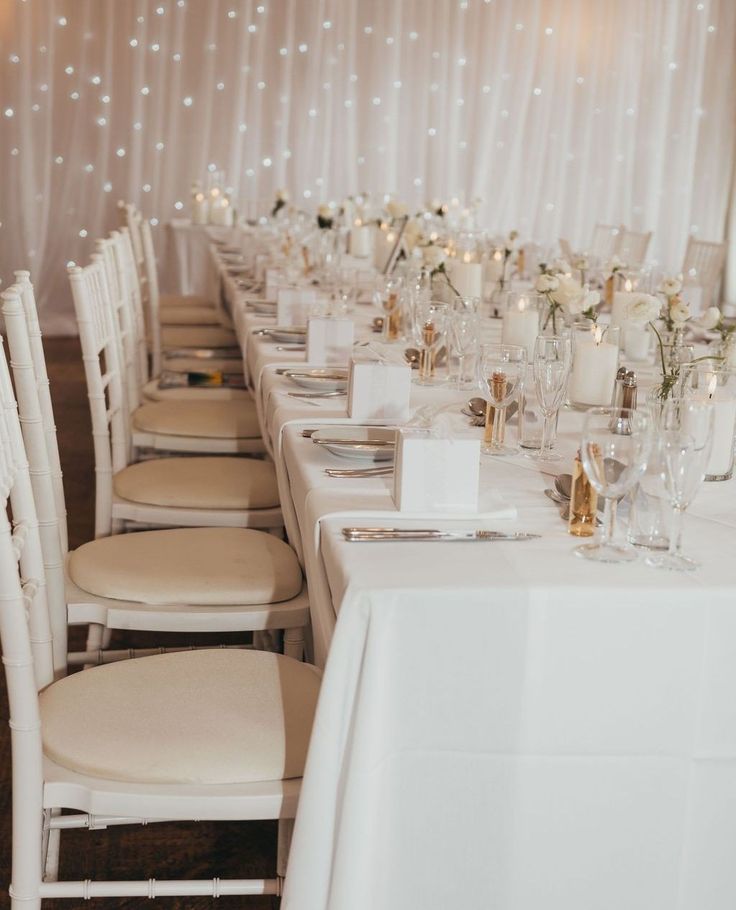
x=563, y=485
x=555, y=496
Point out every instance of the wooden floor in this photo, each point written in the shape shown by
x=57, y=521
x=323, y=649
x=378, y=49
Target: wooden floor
x=198, y=850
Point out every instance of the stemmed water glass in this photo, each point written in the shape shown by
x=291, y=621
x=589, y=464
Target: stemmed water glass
x=613, y=462
x=551, y=366
x=501, y=370
x=685, y=442
x=464, y=329
x=431, y=320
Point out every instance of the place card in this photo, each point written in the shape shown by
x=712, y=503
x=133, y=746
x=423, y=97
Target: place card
x=378, y=390
x=434, y=473
x=329, y=339
x=293, y=306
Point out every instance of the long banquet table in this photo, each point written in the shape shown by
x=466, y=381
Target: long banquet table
x=502, y=725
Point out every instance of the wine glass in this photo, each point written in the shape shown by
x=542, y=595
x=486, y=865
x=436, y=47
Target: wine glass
x=685, y=442
x=464, y=330
x=431, y=319
x=552, y=362
x=501, y=370
x=613, y=462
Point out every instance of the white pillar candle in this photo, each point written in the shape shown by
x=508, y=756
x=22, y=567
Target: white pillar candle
x=637, y=341
x=360, y=241
x=594, y=367
x=467, y=278
x=521, y=327
x=720, y=462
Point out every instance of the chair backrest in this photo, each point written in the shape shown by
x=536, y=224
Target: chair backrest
x=606, y=239
x=633, y=246
x=152, y=297
x=132, y=219
x=703, y=266
x=124, y=258
x=25, y=629
x=116, y=296
x=105, y=387
x=28, y=300
x=42, y=453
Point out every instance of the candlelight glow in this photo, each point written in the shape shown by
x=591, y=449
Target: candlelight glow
x=712, y=383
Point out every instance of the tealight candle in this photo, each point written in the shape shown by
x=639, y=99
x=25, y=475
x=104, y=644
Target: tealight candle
x=595, y=362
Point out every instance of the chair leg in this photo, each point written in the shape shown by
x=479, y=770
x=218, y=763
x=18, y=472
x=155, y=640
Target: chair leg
x=95, y=635
x=27, y=861
x=286, y=829
x=267, y=640
x=294, y=643
x=53, y=844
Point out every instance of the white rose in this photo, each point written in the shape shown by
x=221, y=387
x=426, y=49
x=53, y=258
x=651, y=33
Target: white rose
x=412, y=234
x=710, y=318
x=396, y=209
x=433, y=255
x=581, y=263
x=614, y=265
x=324, y=211
x=679, y=312
x=282, y=195
x=546, y=283
x=670, y=286
x=644, y=309
x=568, y=290
x=560, y=267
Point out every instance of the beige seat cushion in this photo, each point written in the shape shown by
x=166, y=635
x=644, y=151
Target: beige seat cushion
x=166, y=300
x=197, y=336
x=200, y=483
x=151, y=392
x=207, y=566
x=209, y=419
x=197, y=717
x=189, y=315
x=194, y=364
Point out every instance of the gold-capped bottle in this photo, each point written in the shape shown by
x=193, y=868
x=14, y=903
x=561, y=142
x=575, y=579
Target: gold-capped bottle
x=583, y=502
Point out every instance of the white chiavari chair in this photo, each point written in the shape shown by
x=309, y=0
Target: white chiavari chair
x=151, y=389
x=633, y=246
x=177, y=323
x=218, y=491
x=606, y=240
x=114, y=745
x=186, y=579
x=703, y=267
x=215, y=427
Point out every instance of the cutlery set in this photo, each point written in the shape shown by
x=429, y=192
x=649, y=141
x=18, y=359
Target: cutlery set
x=364, y=535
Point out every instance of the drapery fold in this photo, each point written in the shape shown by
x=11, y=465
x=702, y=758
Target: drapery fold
x=556, y=113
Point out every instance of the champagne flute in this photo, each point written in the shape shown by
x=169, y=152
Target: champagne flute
x=613, y=463
x=552, y=363
x=685, y=442
x=464, y=328
x=501, y=370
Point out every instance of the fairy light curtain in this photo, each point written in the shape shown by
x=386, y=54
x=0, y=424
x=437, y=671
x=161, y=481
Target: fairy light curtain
x=556, y=113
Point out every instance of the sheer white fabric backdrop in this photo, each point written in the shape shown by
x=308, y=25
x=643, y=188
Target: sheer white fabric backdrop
x=557, y=113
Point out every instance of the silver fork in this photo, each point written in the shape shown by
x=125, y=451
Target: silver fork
x=360, y=472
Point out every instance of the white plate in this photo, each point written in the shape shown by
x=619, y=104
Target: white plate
x=295, y=334
x=357, y=442
x=325, y=380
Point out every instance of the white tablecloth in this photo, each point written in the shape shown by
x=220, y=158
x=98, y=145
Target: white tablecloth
x=185, y=265
x=506, y=725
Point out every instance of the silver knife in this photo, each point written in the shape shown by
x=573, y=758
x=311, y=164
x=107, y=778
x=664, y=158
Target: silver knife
x=373, y=534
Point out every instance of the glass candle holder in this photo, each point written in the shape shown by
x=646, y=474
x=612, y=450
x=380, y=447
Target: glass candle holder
x=709, y=381
x=521, y=320
x=594, y=365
